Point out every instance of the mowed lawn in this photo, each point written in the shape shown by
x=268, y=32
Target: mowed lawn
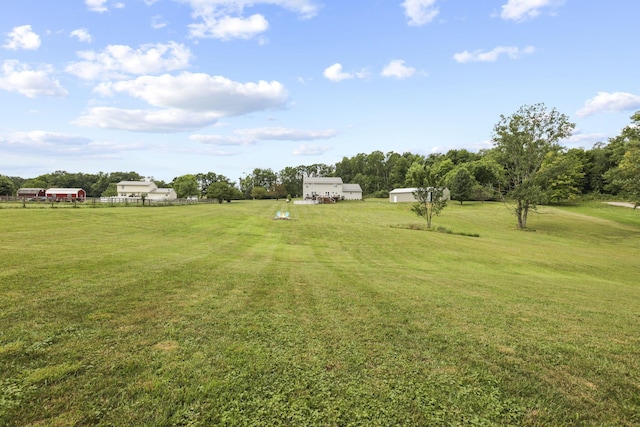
x=343, y=316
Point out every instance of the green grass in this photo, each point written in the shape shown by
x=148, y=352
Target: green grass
x=217, y=315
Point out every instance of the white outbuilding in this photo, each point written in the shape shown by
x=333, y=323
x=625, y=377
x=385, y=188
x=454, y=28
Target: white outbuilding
x=405, y=195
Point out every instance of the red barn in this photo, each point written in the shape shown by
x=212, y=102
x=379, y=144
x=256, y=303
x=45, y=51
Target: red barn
x=66, y=194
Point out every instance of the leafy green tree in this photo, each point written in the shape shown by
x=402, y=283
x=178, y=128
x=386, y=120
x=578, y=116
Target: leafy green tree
x=462, y=156
x=291, y=178
x=35, y=183
x=206, y=179
x=596, y=164
x=259, y=193
x=627, y=175
x=561, y=176
x=185, y=186
x=220, y=190
x=461, y=184
x=416, y=174
x=278, y=191
x=6, y=186
x=617, y=150
x=430, y=200
x=111, y=190
x=522, y=142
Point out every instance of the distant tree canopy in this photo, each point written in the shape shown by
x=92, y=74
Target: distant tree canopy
x=550, y=174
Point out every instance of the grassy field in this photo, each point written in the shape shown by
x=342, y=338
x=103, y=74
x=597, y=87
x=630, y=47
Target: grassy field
x=343, y=316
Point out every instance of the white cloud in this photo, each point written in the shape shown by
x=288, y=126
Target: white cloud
x=202, y=92
x=397, y=69
x=22, y=38
x=118, y=61
x=609, y=102
x=580, y=139
x=311, y=150
x=96, y=5
x=229, y=27
x=150, y=2
x=167, y=120
x=284, y=134
x=222, y=139
x=21, y=78
x=185, y=102
x=42, y=141
x=420, y=12
x=253, y=136
x=223, y=19
x=492, y=55
x=82, y=34
x=521, y=10
x=158, y=22
x=335, y=73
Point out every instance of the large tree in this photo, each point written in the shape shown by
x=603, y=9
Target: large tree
x=220, y=190
x=6, y=186
x=185, y=186
x=522, y=141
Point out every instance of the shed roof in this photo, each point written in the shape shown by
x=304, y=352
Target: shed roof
x=30, y=190
x=402, y=190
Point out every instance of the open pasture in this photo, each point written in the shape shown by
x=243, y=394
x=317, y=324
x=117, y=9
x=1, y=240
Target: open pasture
x=217, y=315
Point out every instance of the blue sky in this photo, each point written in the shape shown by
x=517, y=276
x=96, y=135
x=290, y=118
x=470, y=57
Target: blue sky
x=170, y=87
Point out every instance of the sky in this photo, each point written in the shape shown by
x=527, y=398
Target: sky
x=173, y=87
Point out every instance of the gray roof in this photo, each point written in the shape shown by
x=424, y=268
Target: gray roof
x=322, y=180
x=131, y=183
x=352, y=188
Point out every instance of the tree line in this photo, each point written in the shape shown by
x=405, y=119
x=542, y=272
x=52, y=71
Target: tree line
x=526, y=160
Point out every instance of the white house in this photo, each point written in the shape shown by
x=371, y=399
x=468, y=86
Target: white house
x=403, y=195
x=313, y=187
x=319, y=187
x=149, y=189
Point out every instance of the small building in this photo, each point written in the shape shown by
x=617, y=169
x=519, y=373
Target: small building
x=163, y=194
x=32, y=193
x=404, y=195
x=351, y=192
x=148, y=189
x=66, y=194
